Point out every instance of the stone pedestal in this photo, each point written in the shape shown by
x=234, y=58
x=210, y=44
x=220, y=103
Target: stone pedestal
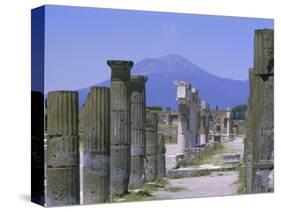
x=137, y=100
x=62, y=149
x=120, y=148
x=151, y=146
x=96, y=133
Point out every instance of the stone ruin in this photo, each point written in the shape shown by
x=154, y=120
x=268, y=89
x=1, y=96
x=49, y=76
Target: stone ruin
x=193, y=121
x=222, y=124
x=63, y=186
x=119, y=141
x=259, y=143
x=96, y=128
x=138, y=141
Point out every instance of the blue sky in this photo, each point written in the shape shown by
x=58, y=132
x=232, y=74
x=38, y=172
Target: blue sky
x=80, y=40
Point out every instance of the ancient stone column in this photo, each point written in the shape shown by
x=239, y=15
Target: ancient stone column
x=151, y=146
x=120, y=145
x=96, y=131
x=161, y=160
x=194, y=117
x=183, y=98
x=62, y=148
x=203, y=123
x=229, y=130
x=137, y=95
x=261, y=103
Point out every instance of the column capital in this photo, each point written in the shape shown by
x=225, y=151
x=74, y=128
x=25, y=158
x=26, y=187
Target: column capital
x=120, y=69
x=137, y=83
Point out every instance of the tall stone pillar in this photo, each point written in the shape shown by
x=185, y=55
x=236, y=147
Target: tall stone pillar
x=120, y=145
x=137, y=98
x=229, y=130
x=161, y=160
x=262, y=111
x=62, y=148
x=151, y=146
x=96, y=133
x=183, y=98
x=182, y=126
x=194, y=117
x=203, y=123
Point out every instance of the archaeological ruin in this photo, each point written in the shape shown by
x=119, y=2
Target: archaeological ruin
x=114, y=144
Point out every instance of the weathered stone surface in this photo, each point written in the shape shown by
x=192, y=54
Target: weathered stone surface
x=161, y=159
x=151, y=146
x=120, y=144
x=259, y=140
x=137, y=100
x=63, y=151
x=63, y=185
x=96, y=133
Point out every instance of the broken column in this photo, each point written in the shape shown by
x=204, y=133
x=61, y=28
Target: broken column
x=120, y=147
x=137, y=101
x=260, y=117
x=151, y=146
x=161, y=160
x=96, y=133
x=62, y=148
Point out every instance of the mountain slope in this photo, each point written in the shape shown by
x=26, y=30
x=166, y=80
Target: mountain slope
x=163, y=71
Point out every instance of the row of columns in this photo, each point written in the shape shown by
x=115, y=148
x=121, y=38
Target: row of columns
x=121, y=144
x=193, y=124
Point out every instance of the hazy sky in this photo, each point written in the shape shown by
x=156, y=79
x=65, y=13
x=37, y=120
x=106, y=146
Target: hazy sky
x=80, y=40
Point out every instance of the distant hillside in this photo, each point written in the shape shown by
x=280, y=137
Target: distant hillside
x=163, y=71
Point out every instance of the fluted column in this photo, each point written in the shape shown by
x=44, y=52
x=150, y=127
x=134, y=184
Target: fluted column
x=120, y=145
x=151, y=146
x=96, y=130
x=62, y=148
x=137, y=95
x=161, y=160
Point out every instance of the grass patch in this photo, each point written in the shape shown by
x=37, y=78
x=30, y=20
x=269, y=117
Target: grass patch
x=133, y=196
x=205, y=172
x=241, y=180
x=144, y=193
x=206, y=158
x=175, y=189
